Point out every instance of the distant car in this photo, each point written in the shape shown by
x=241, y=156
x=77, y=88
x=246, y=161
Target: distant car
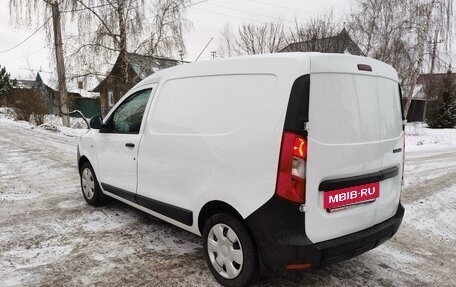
x=282, y=161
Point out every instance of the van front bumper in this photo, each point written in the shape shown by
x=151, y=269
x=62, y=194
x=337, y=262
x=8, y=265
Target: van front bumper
x=283, y=241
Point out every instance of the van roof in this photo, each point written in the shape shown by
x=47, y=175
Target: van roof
x=276, y=63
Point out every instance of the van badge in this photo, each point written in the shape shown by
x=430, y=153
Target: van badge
x=397, y=150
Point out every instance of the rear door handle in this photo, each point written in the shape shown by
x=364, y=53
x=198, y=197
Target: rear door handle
x=130, y=144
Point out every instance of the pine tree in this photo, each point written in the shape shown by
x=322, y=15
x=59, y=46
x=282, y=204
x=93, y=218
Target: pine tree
x=442, y=109
x=5, y=85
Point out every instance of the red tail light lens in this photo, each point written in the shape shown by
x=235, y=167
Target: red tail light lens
x=291, y=178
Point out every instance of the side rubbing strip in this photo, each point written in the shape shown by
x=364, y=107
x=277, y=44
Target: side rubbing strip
x=130, y=196
x=339, y=183
x=177, y=213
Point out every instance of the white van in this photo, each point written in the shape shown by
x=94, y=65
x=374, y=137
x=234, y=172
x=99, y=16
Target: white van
x=281, y=161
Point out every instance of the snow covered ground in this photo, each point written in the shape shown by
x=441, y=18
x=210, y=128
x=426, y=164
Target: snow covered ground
x=420, y=138
x=50, y=237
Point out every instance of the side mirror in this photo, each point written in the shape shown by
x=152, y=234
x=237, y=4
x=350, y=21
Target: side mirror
x=96, y=123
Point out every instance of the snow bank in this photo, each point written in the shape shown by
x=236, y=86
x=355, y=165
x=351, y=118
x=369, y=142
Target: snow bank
x=52, y=123
x=419, y=137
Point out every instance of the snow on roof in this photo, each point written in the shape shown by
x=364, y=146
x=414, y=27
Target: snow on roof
x=23, y=84
x=78, y=85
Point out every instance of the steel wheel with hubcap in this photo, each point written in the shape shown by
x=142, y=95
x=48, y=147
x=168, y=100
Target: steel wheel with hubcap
x=89, y=185
x=229, y=250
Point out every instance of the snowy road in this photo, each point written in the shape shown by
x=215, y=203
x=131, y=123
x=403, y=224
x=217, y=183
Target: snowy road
x=50, y=237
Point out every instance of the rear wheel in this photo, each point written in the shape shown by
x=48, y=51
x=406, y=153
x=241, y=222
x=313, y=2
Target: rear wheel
x=229, y=251
x=89, y=185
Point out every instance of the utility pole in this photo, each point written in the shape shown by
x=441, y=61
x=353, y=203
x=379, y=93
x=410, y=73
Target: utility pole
x=434, y=44
x=213, y=54
x=421, y=40
x=63, y=100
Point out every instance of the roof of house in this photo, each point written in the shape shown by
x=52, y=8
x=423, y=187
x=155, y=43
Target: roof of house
x=142, y=65
x=50, y=80
x=23, y=84
x=30, y=84
x=340, y=43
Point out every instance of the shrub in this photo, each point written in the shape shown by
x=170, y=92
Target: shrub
x=28, y=105
x=442, y=103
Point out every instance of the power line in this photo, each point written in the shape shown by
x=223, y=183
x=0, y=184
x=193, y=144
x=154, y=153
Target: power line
x=196, y=3
x=246, y=12
x=30, y=36
x=83, y=9
x=25, y=56
x=282, y=7
x=109, y=4
x=227, y=15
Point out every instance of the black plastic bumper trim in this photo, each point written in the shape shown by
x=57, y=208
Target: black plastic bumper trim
x=339, y=183
x=179, y=214
x=130, y=196
x=279, y=232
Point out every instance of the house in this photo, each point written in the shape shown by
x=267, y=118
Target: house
x=340, y=43
x=78, y=94
x=44, y=90
x=30, y=88
x=418, y=105
x=113, y=87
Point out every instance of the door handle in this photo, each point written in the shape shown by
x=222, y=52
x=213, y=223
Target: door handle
x=130, y=144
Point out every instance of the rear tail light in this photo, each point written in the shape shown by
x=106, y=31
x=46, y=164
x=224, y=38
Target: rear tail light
x=291, y=178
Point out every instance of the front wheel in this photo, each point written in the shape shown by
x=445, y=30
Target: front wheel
x=89, y=184
x=229, y=251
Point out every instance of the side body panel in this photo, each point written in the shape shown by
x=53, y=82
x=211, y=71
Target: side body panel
x=216, y=137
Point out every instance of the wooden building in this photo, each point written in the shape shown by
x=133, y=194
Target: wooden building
x=114, y=86
x=341, y=43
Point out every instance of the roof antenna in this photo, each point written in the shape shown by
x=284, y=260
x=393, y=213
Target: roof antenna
x=204, y=49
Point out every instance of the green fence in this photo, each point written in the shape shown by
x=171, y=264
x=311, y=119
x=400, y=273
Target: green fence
x=88, y=106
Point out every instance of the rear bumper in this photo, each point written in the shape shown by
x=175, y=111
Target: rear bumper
x=286, y=243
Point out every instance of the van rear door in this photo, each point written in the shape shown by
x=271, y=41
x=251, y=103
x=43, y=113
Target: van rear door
x=355, y=137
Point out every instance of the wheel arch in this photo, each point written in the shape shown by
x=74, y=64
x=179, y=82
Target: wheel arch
x=214, y=207
x=83, y=159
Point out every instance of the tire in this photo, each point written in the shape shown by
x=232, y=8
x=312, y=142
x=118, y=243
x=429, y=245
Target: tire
x=89, y=186
x=229, y=251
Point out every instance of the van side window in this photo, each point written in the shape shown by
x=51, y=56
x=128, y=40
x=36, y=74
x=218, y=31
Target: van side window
x=128, y=116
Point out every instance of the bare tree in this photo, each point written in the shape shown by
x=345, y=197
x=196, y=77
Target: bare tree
x=397, y=31
x=227, y=42
x=318, y=33
x=24, y=11
x=424, y=15
x=253, y=39
x=315, y=34
x=384, y=35
x=122, y=27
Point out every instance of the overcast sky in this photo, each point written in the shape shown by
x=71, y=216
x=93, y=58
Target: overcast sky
x=208, y=20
